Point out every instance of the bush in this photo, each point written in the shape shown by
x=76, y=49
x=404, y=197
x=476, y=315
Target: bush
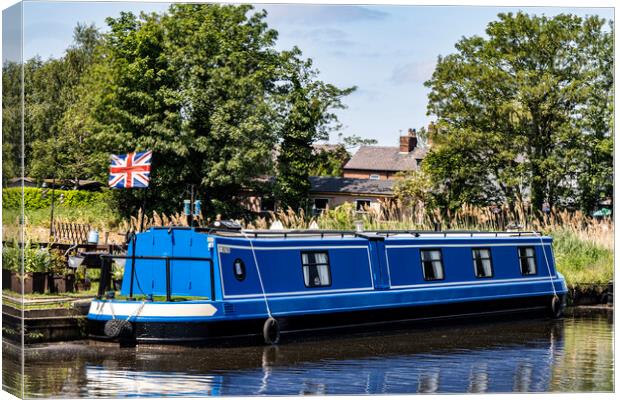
x=35, y=259
x=10, y=257
x=37, y=198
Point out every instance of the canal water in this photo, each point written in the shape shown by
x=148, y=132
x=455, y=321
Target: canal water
x=535, y=355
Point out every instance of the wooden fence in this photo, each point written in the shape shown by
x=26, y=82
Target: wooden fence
x=66, y=232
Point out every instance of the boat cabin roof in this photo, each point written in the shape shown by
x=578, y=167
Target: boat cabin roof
x=351, y=234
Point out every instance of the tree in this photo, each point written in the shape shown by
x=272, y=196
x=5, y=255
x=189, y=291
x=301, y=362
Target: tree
x=307, y=118
x=57, y=147
x=414, y=191
x=329, y=159
x=204, y=88
x=525, y=112
x=11, y=120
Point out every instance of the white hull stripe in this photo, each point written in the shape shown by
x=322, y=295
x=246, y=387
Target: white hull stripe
x=232, y=246
x=151, y=309
x=494, y=282
x=464, y=245
x=481, y=282
x=308, y=293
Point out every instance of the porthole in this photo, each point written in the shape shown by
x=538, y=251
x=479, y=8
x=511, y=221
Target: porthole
x=239, y=269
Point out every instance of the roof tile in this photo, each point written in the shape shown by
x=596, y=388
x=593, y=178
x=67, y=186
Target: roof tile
x=385, y=158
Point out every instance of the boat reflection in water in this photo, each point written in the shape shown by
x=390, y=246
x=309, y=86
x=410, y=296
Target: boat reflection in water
x=574, y=354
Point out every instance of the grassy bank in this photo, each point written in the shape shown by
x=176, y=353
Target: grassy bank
x=581, y=261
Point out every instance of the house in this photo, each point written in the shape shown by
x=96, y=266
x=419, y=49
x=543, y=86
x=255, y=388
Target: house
x=329, y=192
x=384, y=162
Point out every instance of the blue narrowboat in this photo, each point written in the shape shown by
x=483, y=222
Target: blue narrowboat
x=197, y=284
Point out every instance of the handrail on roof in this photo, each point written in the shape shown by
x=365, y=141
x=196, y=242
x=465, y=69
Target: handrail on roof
x=342, y=233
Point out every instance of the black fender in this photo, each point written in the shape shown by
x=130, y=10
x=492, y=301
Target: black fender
x=271, y=331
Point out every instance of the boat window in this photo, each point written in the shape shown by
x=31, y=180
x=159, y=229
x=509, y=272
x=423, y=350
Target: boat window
x=315, y=266
x=527, y=260
x=483, y=266
x=239, y=269
x=432, y=264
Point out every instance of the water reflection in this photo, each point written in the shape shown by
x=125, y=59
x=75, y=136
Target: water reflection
x=574, y=354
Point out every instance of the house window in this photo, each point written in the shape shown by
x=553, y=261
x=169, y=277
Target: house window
x=320, y=205
x=527, y=260
x=374, y=176
x=315, y=265
x=483, y=266
x=432, y=264
x=362, y=205
x=267, y=204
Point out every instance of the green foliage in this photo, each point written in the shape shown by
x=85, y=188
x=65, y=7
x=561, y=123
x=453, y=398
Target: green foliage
x=201, y=85
x=54, y=148
x=526, y=110
x=328, y=161
x=352, y=141
x=308, y=118
x=193, y=86
x=11, y=257
x=582, y=261
x=12, y=113
x=204, y=88
x=57, y=262
x=117, y=272
x=414, y=190
x=36, y=259
x=339, y=218
x=37, y=198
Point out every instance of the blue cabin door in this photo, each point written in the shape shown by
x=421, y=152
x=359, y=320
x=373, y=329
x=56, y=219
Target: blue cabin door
x=380, y=274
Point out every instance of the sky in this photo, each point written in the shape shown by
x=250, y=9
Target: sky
x=386, y=51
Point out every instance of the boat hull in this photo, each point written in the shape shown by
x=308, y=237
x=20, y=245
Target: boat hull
x=251, y=330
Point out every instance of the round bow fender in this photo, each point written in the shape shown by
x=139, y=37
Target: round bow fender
x=271, y=331
x=117, y=328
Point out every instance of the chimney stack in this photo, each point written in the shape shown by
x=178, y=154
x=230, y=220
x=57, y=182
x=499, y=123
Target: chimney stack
x=409, y=142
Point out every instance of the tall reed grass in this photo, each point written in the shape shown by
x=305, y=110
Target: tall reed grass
x=583, y=246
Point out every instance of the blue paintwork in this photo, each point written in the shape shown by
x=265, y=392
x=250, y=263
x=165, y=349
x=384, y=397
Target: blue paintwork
x=365, y=274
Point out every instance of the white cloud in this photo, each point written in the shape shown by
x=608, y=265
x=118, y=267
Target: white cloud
x=321, y=14
x=413, y=72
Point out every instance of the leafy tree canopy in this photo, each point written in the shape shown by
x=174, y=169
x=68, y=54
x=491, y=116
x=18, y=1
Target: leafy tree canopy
x=525, y=112
x=202, y=86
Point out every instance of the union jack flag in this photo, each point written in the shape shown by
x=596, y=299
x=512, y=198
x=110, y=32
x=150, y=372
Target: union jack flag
x=131, y=170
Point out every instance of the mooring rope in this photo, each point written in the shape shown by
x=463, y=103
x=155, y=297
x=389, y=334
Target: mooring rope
x=546, y=262
x=260, y=279
x=138, y=311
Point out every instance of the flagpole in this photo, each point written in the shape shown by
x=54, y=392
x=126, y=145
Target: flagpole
x=143, y=209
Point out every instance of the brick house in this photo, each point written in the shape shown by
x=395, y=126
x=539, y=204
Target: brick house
x=332, y=191
x=384, y=162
